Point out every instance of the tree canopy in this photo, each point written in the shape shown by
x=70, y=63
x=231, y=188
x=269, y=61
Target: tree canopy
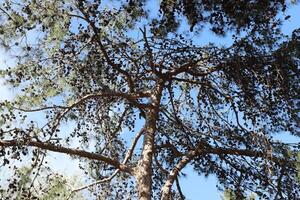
x=142, y=100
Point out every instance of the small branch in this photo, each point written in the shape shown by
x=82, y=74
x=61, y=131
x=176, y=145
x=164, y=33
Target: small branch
x=233, y=151
x=170, y=146
x=179, y=189
x=120, y=121
x=39, y=109
x=6, y=13
x=186, y=68
x=149, y=52
x=160, y=166
x=131, y=149
x=279, y=185
x=94, y=183
x=38, y=169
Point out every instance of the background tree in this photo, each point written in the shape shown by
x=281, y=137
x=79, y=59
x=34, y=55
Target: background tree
x=46, y=187
x=116, y=72
x=230, y=195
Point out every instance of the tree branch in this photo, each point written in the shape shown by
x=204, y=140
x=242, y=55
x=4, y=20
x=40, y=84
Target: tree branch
x=166, y=189
x=103, y=50
x=39, y=109
x=149, y=52
x=94, y=183
x=179, y=189
x=204, y=148
x=69, y=151
x=126, y=96
x=131, y=149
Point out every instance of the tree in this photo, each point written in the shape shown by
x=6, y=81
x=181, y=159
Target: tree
x=230, y=195
x=49, y=186
x=114, y=73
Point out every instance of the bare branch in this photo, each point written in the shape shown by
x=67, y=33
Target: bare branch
x=107, y=179
x=131, y=149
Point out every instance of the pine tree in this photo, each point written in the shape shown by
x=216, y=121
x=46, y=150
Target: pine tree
x=115, y=72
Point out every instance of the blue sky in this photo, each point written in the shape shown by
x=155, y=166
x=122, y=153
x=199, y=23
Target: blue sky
x=195, y=187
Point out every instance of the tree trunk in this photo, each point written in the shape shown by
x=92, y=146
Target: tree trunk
x=166, y=190
x=143, y=171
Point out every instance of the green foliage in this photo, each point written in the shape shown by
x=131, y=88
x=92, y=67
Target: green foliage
x=48, y=187
x=109, y=73
x=231, y=195
x=58, y=189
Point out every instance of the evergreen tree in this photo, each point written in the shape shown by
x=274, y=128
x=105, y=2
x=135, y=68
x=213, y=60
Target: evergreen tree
x=47, y=187
x=118, y=71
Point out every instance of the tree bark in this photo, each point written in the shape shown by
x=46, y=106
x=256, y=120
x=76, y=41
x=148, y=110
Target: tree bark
x=166, y=189
x=143, y=172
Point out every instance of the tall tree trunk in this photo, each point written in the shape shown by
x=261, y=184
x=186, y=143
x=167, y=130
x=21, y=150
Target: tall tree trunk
x=143, y=171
